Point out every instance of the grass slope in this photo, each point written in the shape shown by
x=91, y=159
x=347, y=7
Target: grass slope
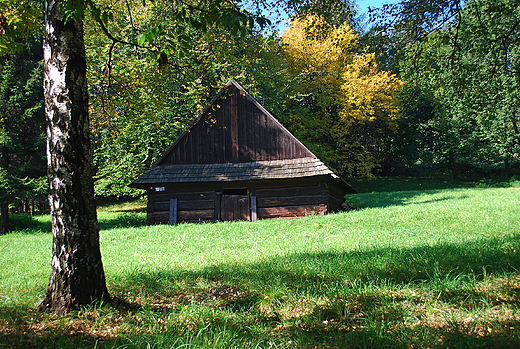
x=411, y=268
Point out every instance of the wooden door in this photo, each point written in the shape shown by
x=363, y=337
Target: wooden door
x=235, y=208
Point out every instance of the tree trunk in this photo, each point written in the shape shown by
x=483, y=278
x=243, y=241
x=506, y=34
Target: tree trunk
x=453, y=166
x=4, y=204
x=25, y=205
x=77, y=276
x=4, y=217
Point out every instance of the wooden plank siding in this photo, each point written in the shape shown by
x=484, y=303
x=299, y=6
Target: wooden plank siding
x=272, y=199
x=291, y=201
x=192, y=205
x=290, y=211
x=235, y=130
x=335, y=197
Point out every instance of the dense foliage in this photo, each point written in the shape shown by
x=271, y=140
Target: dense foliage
x=337, y=99
x=460, y=103
x=141, y=101
x=22, y=134
x=428, y=89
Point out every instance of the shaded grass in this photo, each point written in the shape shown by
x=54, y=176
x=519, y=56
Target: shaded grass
x=437, y=268
x=30, y=223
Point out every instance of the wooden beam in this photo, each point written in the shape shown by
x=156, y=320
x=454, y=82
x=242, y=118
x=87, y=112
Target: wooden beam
x=173, y=211
x=197, y=215
x=185, y=205
x=217, y=207
x=275, y=201
x=254, y=215
x=291, y=211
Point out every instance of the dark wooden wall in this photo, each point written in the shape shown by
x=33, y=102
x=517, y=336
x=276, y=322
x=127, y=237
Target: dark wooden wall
x=191, y=206
x=274, y=199
x=235, y=130
x=288, y=202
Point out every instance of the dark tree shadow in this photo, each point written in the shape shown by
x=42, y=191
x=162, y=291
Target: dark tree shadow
x=25, y=223
x=398, y=266
x=123, y=220
x=400, y=198
x=448, y=270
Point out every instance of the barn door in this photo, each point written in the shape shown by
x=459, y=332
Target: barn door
x=235, y=208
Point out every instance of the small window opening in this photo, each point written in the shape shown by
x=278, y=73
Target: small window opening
x=234, y=191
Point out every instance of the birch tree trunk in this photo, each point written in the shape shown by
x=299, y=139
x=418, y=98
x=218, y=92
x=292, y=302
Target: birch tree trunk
x=77, y=276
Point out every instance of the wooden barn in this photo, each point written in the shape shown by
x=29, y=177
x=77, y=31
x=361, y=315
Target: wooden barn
x=237, y=162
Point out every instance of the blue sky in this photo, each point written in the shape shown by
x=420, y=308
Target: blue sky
x=363, y=8
x=364, y=4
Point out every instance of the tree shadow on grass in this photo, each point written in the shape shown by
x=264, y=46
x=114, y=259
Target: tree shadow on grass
x=400, y=183
x=390, y=191
x=361, y=296
x=122, y=220
x=355, y=299
x=432, y=264
x=381, y=200
x=26, y=223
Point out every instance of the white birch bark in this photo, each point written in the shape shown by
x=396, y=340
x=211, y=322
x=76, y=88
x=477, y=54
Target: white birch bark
x=77, y=276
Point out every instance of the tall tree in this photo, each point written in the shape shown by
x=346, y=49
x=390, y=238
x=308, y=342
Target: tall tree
x=339, y=101
x=77, y=275
x=470, y=69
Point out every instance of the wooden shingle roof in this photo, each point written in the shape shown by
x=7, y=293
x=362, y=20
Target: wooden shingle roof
x=227, y=172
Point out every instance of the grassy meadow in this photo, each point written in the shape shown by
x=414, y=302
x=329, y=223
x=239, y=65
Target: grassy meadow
x=419, y=264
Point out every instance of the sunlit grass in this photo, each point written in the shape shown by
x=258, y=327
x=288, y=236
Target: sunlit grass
x=411, y=268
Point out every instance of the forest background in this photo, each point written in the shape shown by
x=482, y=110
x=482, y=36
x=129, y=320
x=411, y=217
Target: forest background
x=371, y=95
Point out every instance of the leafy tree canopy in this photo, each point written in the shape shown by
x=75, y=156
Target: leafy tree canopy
x=336, y=92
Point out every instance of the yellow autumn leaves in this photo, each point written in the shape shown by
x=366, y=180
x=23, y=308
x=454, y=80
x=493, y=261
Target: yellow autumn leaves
x=326, y=63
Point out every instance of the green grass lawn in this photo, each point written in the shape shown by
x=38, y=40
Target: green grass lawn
x=412, y=268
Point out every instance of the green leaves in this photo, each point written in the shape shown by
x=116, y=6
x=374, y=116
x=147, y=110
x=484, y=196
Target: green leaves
x=22, y=120
x=100, y=15
x=341, y=104
x=18, y=20
x=469, y=70
x=151, y=36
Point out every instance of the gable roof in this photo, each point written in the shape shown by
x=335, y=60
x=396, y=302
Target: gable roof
x=234, y=128
x=235, y=138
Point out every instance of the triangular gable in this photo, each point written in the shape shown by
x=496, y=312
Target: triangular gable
x=234, y=128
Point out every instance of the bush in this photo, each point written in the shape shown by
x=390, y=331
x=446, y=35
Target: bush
x=22, y=221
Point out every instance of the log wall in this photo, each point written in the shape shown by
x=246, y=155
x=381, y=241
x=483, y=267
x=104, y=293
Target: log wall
x=192, y=206
x=294, y=201
x=272, y=199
